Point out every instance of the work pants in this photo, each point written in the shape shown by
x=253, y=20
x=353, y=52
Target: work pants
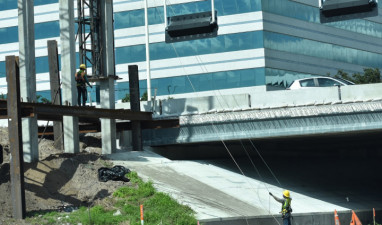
x=286, y=221
x=81, y=91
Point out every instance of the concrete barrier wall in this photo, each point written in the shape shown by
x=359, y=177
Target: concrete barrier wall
x=259, y=98
x=363, y=92
x=285, y=98
x=205, y=104
x=366, y=217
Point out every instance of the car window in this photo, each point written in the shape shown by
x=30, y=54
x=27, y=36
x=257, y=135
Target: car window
x=307, y=83
x=344, y=81
x=325, y=82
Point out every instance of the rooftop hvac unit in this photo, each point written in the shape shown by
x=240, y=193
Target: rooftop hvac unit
x=191, y=26
x=336, y=10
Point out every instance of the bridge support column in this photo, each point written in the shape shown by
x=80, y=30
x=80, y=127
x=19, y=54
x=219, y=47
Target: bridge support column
x=107, y=92
x=28, y=76
x=68, y=67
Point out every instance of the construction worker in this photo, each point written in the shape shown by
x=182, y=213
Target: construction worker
x=286, y=209
x=82, y=80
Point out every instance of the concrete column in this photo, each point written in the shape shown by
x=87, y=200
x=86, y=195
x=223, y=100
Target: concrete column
x=68, y=67
x=107, y=91
x=108, y=125
x=28, y=76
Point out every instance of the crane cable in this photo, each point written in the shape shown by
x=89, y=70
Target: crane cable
x=215, y=128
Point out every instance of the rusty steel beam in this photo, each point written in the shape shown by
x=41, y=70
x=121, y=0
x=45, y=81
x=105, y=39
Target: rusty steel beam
x=24, y=113
x=78, y=111
x=86, y=112
x=15, y=138
x=136, y=129
x=121, y=126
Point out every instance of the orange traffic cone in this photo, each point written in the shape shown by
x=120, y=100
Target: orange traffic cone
x=354, y=219
x=336, y=219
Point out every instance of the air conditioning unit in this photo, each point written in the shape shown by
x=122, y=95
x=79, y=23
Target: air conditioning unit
x=336, y=10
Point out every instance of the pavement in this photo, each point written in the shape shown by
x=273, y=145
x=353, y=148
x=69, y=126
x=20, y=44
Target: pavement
x=215, y=189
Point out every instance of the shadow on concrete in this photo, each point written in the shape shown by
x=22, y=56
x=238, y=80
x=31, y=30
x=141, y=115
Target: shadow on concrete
x=342, y=170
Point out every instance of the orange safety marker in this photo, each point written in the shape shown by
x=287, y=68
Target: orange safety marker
x=354, y=219
x=374, y=215
x=142, y=221
x=336, y=219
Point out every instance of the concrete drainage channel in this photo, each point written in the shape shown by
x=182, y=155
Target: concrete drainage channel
x=366, y=217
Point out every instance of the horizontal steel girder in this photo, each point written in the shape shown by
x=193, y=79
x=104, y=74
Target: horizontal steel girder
x=31, y=109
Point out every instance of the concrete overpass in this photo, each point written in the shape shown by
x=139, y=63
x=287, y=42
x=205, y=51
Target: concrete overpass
x=260, y=114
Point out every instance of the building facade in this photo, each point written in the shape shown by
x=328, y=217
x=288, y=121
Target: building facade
x=260, y=43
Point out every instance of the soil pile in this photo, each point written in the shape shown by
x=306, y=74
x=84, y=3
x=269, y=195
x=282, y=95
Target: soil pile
x=59, y=181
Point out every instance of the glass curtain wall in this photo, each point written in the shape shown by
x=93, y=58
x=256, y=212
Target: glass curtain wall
x=300, y=46
x=222, y=43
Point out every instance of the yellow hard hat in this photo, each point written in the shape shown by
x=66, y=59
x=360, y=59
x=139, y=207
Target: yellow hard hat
x=286, y=193
x=82, y=66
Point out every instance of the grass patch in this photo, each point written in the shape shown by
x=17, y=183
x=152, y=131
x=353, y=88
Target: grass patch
x=159, y=208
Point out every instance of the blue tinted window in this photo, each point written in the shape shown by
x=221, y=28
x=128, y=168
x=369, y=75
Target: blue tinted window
x=43, y=94
x=2, y=69
x=42, y=64
x=223, y=7
x=201, y=82
x=47, y=30
x=8, y=4
x=44, y=2
x=42, y=30
x=222, y=43
x=136, y=18
x=311, y=14
x=321, y=50
x=9, y=35
x=282, y=78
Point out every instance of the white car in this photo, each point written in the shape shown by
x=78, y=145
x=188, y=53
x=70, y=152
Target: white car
x=318, y=82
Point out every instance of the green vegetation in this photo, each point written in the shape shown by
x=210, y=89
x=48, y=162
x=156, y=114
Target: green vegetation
x=126, y=98
x=144, y=96
x=159, y=208
x=369, y=76
x=41, y=99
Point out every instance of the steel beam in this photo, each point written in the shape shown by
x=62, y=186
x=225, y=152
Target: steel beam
x=15, y=138
x=107, y=89
x=135, y=107
x=122, y=114
x=77, y=111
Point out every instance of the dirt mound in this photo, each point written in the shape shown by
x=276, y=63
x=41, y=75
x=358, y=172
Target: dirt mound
x=59, y=180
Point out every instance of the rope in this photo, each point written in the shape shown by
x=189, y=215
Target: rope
x=213, y=125
x=47, y=123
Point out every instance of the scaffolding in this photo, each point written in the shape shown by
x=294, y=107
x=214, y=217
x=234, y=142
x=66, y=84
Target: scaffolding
x=89, y=28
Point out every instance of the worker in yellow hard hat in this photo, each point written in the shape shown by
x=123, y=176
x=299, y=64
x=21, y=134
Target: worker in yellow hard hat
x=82, y=80
x=286, y=208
